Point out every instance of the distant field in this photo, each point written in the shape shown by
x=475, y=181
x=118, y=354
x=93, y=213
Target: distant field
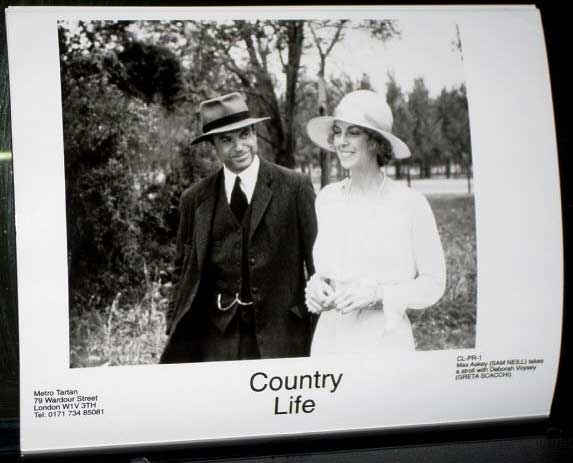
x=451, y=323
x=428, y=186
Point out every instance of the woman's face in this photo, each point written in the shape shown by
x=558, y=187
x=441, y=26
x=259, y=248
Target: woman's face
x=351, y=144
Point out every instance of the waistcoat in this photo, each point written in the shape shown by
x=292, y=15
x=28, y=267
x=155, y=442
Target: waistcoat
x=227, y=266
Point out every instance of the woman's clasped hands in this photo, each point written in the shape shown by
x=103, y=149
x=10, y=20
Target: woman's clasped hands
x=347, y=297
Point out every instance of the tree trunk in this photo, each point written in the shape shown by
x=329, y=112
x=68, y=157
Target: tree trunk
x=428, y=170
x=324, y=168
x=398, y=167
x=296, y=37
x=469, y=175
x=322, y=105
x=268, y=100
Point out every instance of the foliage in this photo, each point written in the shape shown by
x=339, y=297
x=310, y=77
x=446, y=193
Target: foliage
x=183, y=62
x=424, y=131
x=435, y=129
x=150, y=72
x=100, y=156
x=452, y=117
x=403, y=123
x=123, y=152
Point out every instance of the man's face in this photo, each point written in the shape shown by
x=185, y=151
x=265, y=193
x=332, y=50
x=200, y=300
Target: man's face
x=236, y=149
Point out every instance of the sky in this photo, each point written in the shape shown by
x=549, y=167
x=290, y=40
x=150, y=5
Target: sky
x=424, y=50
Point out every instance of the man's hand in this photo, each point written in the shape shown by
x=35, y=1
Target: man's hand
x=319, y=294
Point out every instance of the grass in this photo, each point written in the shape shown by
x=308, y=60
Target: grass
x=450, y=324
x=123, y=333
x=133, y=333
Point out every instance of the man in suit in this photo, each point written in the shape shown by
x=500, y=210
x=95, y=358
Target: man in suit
x=244, y=251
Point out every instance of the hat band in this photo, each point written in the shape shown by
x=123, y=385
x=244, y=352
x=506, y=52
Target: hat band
x=226, y=120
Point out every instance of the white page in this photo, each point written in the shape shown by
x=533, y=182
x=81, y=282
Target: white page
x=519, y=265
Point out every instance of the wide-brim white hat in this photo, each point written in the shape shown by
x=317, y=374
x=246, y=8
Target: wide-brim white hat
x=364, y=108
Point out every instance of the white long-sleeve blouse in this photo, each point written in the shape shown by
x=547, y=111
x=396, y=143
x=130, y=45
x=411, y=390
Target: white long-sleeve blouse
x=390, y=239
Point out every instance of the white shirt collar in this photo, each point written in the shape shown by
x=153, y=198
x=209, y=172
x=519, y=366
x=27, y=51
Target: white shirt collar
x=248, y=179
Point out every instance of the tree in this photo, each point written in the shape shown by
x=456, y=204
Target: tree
x=244, y=50
x=247, y=51
x=101, y=141
x=122, y=124
x=85, y=38
x=150, y=72
x=306, y=152
x=402, y=126
x=452, y=117
x=424, y=130
x=324, y=47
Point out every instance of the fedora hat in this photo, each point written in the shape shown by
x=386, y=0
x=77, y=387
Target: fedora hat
x=223, y=114
x=364, y=108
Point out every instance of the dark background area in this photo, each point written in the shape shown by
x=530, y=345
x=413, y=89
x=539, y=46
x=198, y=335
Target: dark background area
x=547, y=440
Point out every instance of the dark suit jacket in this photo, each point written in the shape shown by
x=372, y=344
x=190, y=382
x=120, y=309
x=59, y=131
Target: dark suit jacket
x=282, y=234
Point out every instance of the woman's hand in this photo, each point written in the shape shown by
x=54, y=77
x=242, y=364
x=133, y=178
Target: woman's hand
x=356, y=296
x=319, y=294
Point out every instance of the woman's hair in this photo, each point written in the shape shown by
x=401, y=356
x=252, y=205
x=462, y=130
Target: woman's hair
x=380, y=146
x=377, y=145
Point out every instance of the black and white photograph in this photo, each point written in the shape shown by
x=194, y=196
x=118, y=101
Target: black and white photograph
x=250, y=223
x=266, y=189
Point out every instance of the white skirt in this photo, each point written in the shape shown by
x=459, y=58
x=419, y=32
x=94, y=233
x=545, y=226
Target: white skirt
x=366, y=330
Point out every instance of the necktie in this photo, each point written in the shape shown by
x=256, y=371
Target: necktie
x=239, y=201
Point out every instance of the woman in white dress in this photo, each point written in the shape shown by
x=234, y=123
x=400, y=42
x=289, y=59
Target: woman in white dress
x=378, y=251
